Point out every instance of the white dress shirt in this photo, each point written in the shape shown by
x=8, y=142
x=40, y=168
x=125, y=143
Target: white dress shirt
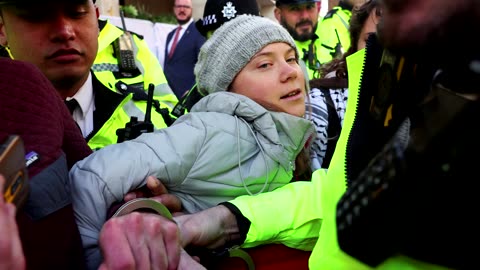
x=83, y=114
x=184, y=28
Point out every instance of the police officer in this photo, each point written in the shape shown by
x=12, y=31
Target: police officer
x=333, y=29
x=61, y=39
x=115, y=70
x=300, y=18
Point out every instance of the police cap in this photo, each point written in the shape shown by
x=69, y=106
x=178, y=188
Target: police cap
x=217, y=12
x=293, y=2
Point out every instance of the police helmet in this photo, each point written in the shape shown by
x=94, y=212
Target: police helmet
x=217, y=12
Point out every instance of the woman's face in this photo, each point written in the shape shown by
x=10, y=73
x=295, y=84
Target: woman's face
x=273, y=79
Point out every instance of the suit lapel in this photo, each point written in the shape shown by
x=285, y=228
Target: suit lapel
x=185, y=36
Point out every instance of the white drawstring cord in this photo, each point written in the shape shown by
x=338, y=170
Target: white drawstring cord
x=239, y=161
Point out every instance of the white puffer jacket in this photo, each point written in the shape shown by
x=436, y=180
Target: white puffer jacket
x=226, y=147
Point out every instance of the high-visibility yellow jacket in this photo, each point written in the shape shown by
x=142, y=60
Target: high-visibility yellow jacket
x=113, y=111
x=321, y=56
x=334, y=28
x=106, y=67
x=114, y=108
x=303, y=214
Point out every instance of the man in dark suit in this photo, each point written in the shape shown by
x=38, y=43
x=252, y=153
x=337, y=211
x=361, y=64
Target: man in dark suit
x=181, y=50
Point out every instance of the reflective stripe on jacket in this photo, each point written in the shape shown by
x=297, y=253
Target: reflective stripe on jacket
x=114, y=110
x=150, y=69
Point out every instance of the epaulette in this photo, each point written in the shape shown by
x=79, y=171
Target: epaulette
x=136, y=34
x=330, y=13
x=132, y=33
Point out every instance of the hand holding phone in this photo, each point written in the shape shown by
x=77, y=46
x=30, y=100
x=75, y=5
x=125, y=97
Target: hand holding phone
x=13, y=168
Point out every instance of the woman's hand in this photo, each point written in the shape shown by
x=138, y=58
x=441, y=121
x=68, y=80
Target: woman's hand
x=156, y=190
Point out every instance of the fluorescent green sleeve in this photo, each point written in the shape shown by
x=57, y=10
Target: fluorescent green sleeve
x=289, y=215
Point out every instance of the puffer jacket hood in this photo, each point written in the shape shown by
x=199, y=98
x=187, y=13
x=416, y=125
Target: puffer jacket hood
x=279, y=132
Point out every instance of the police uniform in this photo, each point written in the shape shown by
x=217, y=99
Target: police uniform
x=113, y=111
x=312, y=53
x=148, y=70
x=333, y=30
x=121, y=94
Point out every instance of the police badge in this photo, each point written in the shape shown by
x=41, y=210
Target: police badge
x=229, y=11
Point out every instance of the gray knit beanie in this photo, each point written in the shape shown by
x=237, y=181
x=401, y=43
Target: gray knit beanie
x=231, y=47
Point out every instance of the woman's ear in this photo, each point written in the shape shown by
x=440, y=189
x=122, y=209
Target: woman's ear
x=377, y=15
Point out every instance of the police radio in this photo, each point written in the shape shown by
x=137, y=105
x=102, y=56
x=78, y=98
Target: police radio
x=310, y=57
x=135, y=128
x=338, y=51
x=123, y=48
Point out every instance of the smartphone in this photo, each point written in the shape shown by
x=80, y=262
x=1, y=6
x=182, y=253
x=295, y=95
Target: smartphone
x=13, y=168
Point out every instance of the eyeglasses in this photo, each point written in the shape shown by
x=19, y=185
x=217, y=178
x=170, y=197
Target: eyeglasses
x=182, y=6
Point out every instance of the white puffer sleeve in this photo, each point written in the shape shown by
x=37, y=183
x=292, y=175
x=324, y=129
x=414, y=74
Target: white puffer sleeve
x=105, y=176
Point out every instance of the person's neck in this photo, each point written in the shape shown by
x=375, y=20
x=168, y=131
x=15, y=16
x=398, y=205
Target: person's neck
x=68, y=87
x=184, y=23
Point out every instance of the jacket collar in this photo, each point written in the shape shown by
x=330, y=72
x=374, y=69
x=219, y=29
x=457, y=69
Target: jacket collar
x=106, y=101
x=282, y=132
